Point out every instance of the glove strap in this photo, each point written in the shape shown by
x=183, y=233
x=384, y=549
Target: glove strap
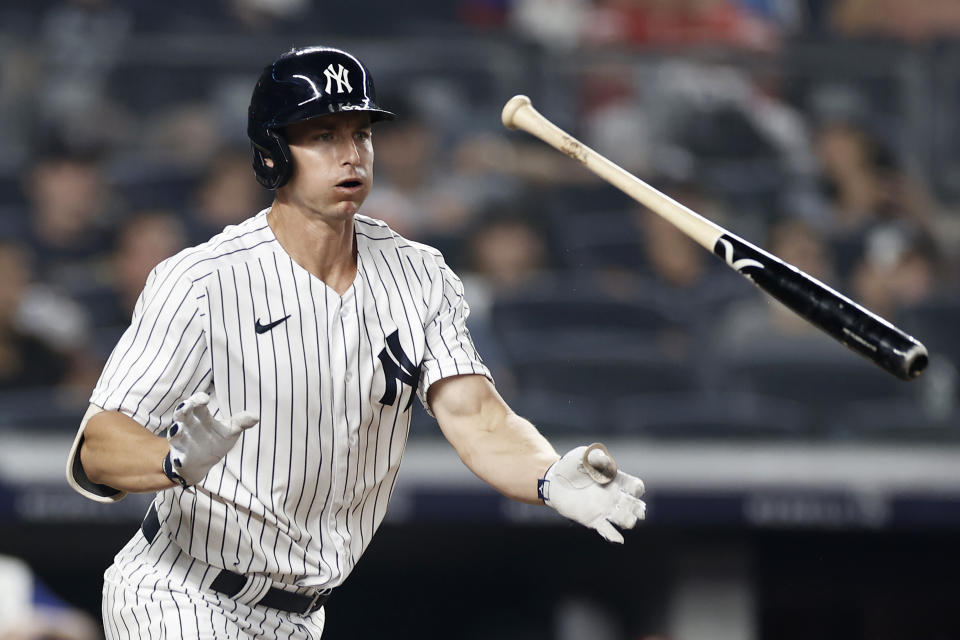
x=170, y=473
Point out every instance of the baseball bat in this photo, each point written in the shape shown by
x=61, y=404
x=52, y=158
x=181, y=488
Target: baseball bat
x=852, y=325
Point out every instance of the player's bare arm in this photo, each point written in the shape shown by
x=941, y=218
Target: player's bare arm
x=121, y=453
x=502, y=448
x=510, y=454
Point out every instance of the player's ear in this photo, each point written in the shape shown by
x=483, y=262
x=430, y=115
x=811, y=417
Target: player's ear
x=267, y=160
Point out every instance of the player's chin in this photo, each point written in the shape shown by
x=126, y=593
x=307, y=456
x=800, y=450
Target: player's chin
x=353, y=198
x=346, y=208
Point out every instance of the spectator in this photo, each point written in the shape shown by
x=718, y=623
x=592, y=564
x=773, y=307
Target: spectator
x=681, y=271
x=555, y=24
x=673, y=258
x=70, y=208
x=183, y=135
x=864, y=185
x=682, y=22
x=682, y=279
x=142, y=241
x=919, y=20
x=226, y=195
x=900, y=266
x=26, y=359
x=80, y=44
x=504, y=252
x=414, y=195
x=256, y=14
x=850, y=181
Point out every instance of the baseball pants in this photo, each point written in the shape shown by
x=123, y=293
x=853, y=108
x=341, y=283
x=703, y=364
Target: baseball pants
x=154, y=590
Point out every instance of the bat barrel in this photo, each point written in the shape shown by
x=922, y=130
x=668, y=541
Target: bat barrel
x=852, y=325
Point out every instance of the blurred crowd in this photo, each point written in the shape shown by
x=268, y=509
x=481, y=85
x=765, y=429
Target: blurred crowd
x=124, y=141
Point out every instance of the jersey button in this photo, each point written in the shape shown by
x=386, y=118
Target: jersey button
x=348, y=376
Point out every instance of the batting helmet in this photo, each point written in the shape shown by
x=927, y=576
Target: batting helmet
x=299, y=85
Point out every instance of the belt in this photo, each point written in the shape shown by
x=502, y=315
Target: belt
x=230, y=584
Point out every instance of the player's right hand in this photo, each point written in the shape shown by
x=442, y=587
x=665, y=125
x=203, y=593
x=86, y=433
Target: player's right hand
x=198, y=440
x=582, y=495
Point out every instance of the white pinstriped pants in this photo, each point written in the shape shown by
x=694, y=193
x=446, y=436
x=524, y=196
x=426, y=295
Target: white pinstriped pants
x=156, y=591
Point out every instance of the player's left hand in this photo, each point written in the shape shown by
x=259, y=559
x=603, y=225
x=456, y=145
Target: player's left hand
x=596, y=495
x=198, y=440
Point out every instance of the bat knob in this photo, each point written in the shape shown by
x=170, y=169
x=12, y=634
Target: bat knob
x=510, y=110
x=599, y=464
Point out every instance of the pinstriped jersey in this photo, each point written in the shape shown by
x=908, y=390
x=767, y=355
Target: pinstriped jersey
x=331, y=378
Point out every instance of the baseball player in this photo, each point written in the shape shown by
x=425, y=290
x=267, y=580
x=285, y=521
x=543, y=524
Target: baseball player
x=263, y=389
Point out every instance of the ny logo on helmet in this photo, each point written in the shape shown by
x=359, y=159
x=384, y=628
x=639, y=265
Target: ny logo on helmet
x=401, y=369
x=340, y=76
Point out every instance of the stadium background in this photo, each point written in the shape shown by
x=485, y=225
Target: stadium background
x=794, y=490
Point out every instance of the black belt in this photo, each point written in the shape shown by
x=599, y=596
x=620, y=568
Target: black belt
x=230, y=584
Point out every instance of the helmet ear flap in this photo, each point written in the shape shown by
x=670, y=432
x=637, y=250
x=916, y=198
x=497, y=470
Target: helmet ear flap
x=274, y=147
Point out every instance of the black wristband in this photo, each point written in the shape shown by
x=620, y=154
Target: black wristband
x=170, y=473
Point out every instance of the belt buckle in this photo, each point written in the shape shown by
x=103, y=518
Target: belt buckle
x=313, y=602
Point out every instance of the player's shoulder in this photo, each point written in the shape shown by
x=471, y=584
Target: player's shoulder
x=377, y=232
x=232, y=244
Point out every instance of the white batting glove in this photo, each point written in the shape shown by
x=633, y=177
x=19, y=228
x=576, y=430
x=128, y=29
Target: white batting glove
x=595, y=495
x=198, y=441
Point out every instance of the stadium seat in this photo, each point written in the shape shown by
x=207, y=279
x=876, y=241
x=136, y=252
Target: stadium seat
x=557, y=306
x=711, y=415
x=559, y=413
x=605, y=373
x=898, y=419
x=823, y=379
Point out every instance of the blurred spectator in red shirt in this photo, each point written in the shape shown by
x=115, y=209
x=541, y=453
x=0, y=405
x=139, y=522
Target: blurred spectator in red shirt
x=681, y=23
x=567, y=24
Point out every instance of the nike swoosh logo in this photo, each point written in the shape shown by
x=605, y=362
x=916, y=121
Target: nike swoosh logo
x=263, y=328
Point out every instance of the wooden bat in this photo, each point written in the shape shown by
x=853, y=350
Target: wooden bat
x=854, y=326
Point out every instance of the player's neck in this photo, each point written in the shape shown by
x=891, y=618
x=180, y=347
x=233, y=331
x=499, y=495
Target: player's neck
x=325, y=248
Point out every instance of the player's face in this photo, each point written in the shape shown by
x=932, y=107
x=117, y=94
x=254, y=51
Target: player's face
x=332, y=163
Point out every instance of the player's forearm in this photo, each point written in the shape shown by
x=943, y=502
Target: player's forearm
x=120, y=453
x=510, y=455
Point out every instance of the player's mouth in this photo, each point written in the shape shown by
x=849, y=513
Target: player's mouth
x=350, y=185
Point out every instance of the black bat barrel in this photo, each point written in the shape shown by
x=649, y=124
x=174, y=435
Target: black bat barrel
x=854, y=326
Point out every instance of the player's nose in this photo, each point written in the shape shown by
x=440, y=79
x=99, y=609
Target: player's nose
x=348, y=151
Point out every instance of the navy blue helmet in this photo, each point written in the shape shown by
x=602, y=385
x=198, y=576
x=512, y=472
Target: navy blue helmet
x=299, y=85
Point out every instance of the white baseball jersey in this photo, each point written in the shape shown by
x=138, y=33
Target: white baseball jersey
x=331, y=378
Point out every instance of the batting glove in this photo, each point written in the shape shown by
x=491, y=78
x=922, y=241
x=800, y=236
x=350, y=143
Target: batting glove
x=588, y=488
x=198, y=441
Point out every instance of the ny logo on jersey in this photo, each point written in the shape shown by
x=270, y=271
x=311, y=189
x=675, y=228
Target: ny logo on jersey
x=340, y=76
x=397, y=366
